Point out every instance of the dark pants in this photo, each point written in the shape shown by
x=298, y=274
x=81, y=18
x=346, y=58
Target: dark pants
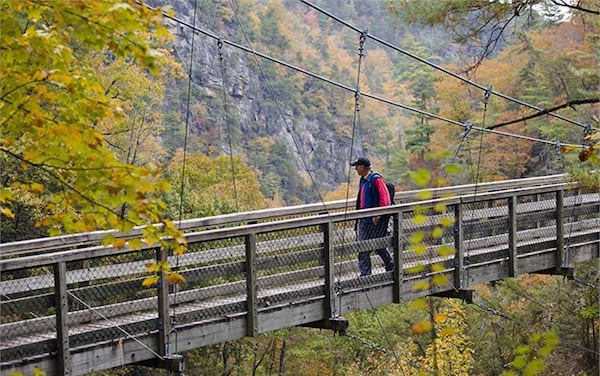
x=367, y=230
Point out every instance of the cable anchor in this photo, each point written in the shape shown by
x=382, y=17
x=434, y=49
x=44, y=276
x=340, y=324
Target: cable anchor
x=587, y=130
x=357, y=99
x=468, y=126
x=220, y=47
x=361, y=42
x=486, y=95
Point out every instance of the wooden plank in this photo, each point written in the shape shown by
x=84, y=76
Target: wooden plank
x=459, y=246
x=251, y=289
x=63, y=355
x=329, y=269
x=512, y=236
x=398, y=247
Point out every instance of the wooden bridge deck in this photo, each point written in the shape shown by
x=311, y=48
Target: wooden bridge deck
x=72, y=306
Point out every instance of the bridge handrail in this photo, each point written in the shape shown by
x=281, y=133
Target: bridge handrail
x=87, y=239
x=41, y=259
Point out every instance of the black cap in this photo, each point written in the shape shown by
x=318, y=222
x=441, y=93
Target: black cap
x=362, y=161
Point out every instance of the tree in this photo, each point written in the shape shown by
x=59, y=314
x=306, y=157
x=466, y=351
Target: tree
x=487, y=20
x=53, y=103
x=211, y=186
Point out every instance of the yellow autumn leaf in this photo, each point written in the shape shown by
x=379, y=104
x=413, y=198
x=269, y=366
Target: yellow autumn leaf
x=437, y=232
x=119, y=243
x=438, y=267
x=424, y=195
x=419, y=219
x=439, y=318
x=440, y=207
x=36, y=187
x=419, y=249
x=446, y=221
x=6, y=212
x=175, y=278
x=446, y=251
x=421, y=327
x=150, y=281
x=421, y=177
x=108, y=240
x=452, y=169
x=417, y=237
x=415, y=269
x=153, y=267
x=419, y=303
x=163, y=266
x=135, y=243
x=179, y=250
x=421, y=286
x=6, y=195
x=439, y=280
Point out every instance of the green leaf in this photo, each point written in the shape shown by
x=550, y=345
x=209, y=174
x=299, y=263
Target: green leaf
x=421, y=177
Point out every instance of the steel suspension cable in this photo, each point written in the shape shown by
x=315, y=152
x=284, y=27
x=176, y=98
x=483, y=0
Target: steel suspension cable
x=355, y=124
x=363, y=94
x=440, y=68
x=183, y=167
x=227, y=123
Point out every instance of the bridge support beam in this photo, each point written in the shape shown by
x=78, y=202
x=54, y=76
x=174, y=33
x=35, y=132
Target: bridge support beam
x=459, y=257
x=560, y=231
x=338, y=324
x=463, y=294
x=565, y=271
x=174, y=364
x=398, y=246
x=251, y=287
x=513, y=270
x=62, y=328
x=329, y=264
x=164, y=322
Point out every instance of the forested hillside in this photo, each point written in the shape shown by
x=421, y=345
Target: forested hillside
x=298, y=132
x=293, y=91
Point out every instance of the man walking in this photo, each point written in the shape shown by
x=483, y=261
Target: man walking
x=372, y=192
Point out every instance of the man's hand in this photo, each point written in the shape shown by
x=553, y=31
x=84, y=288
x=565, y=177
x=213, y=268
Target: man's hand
x=375, y=220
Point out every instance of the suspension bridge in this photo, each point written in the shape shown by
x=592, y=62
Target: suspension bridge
x=71, y=305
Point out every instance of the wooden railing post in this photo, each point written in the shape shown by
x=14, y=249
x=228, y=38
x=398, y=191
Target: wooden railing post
x=251, y=295
x=459, y=258
x=62, y=310
x=398, y=245
x=329, y=259
x=560, y=232
x=512, y=236
x=164, y=323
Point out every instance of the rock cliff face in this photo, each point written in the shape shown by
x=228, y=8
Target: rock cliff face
x=258, y=108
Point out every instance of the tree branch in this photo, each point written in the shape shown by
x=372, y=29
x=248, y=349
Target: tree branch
x=575, y=7
x=547, y=111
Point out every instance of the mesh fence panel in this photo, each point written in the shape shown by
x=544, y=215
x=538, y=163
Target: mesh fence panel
x=27, y=306
x=289, y=264
x=215, y=280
